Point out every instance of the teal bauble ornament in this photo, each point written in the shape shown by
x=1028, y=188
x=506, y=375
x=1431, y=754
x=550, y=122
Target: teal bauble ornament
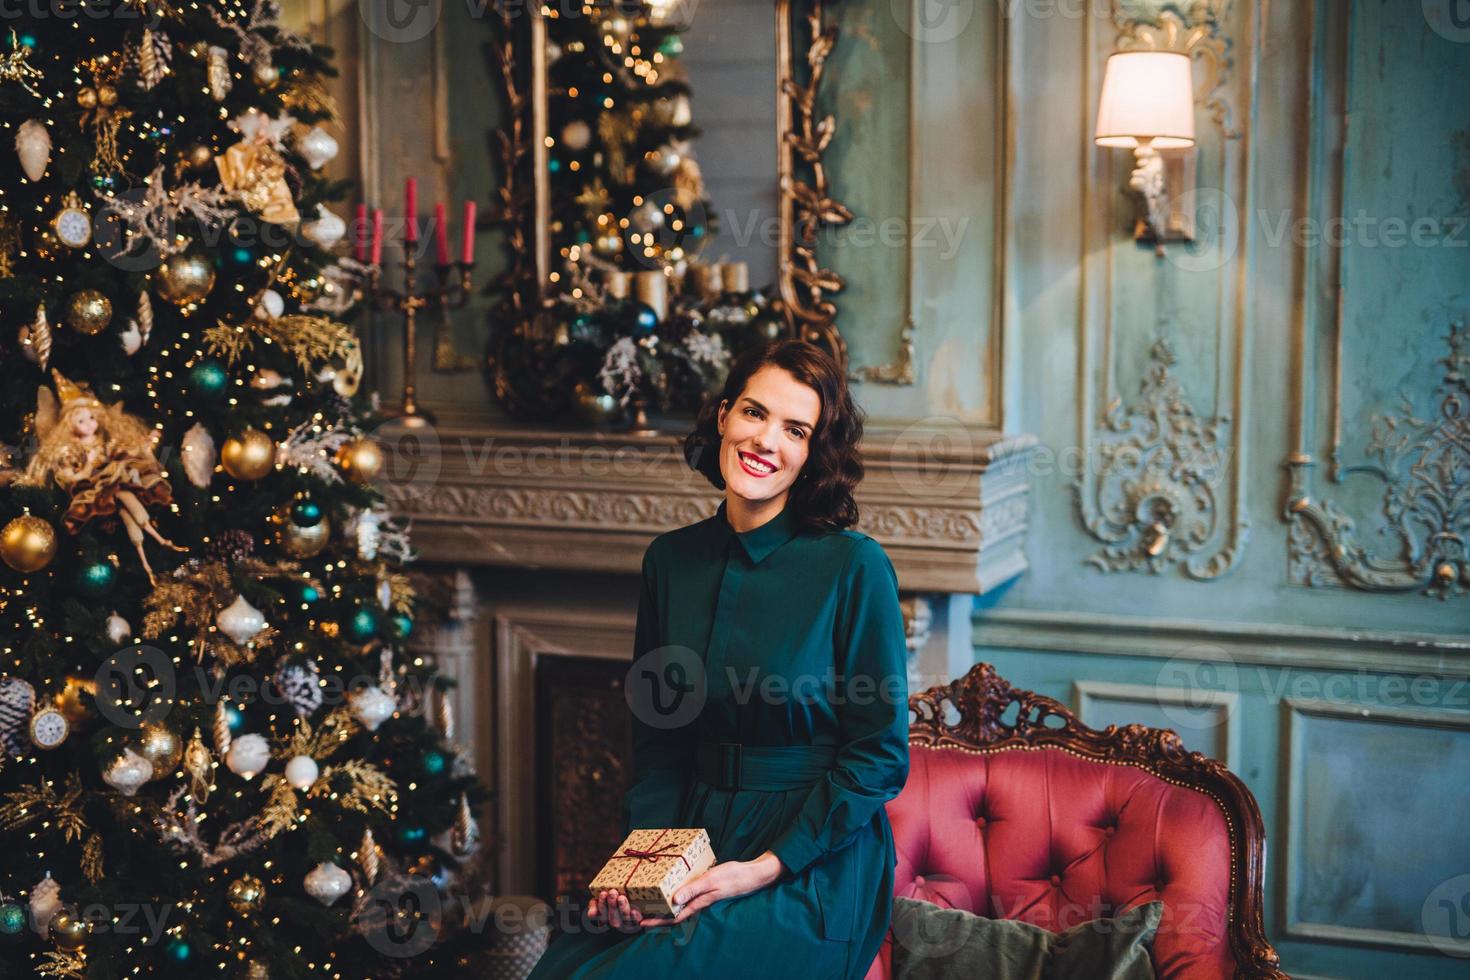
x=208, y=377
x=412, y=835
x=310, y=594
x=234, y=719
x=435, y=763
x=12, y=919
x=645, y=321
x=96, y=578
x=402, y=626
x=179, y=951
x=307, y=513
x=671, y=46
x=364, y=625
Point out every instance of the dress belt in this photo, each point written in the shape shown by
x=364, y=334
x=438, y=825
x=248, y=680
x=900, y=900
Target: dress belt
x=731, y=765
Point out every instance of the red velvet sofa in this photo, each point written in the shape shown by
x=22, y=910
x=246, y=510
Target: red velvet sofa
x=1015, y=809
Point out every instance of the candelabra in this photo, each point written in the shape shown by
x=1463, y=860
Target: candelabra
x=453, y=282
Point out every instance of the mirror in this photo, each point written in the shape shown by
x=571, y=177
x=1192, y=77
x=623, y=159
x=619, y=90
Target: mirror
x=663, y=197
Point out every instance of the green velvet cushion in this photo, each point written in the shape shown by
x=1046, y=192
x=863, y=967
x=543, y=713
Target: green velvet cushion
x=930, y=943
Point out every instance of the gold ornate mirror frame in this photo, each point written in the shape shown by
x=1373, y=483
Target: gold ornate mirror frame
x=804, y=42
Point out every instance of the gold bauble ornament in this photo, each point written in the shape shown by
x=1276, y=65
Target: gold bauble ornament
x=198, y=156
x=248, y=456
x=255, y=970
x=106, y=96
x=87, y=97
x=27, y=544
x=69, y=702
x=163, y=749
x=88, y=311
x=68, y=929
x=298, y=540
x=361, y=460
x=246, y=894
x=184, y=278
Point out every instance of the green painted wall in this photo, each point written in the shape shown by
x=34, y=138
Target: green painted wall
x=1353, y=109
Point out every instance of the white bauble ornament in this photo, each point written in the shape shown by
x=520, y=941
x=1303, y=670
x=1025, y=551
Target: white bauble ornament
x=368, y=529
x=683, y=114
x=248, y=755
x=33, y=146
x=199, y=455
x=317, y=147
x=45, y=901
x=327, y=230
x=17, y=702
x=576, y=134
x=372, y=706
x=326, y=883
x=118, y=629
x=270, y=306
x=240, y=621
x=301, y=772
x=132, y=338
x=127, y=772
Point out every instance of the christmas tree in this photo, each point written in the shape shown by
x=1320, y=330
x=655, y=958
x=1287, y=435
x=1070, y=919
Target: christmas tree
x=215, y=747
x=629, y=216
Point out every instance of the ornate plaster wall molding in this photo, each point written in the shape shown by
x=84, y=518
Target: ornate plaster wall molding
x=1426, y=501
x=1151, y=496
x=950, y=507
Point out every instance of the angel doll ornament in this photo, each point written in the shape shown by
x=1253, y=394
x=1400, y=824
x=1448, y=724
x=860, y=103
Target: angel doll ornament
x=103, y=457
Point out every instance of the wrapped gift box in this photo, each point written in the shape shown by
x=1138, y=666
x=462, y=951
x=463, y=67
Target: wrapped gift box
x=651, y=865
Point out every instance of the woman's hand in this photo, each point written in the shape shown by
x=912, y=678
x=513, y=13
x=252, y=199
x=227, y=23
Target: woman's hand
x=729, y=879
x=611, y=906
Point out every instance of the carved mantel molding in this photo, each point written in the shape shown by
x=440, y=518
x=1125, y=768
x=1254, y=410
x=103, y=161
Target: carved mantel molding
x=949, y=504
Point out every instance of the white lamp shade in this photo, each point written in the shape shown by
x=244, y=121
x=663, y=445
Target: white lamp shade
x=1147, y=97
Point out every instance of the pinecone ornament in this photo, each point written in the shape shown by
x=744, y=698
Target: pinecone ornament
x=231, y=546
x=17, y=702
x=299, y=682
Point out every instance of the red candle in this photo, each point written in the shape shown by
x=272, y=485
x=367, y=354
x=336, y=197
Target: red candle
x=359, y=234
x=411, y=209
x=441, y=236
x=377, y=236
x=467, y=242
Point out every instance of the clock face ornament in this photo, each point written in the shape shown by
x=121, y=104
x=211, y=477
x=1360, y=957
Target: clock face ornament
x=49, y=728
x=73, y=225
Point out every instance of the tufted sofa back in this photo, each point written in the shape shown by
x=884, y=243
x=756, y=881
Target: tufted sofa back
x=1056, y=840
x=1015, y=809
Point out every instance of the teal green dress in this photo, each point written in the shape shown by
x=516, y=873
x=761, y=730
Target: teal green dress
x=769, y=698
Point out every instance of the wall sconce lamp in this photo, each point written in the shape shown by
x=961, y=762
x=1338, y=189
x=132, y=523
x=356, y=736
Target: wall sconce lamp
x=1147, y=106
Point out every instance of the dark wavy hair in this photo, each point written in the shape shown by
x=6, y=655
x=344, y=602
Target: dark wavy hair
x=822, y=495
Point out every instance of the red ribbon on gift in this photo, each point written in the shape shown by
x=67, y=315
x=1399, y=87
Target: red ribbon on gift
x=651, y=854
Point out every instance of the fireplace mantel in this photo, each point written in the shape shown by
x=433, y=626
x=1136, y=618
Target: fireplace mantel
x=948, y=503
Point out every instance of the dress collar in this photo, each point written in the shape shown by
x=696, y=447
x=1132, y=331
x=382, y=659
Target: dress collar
x=761, y=541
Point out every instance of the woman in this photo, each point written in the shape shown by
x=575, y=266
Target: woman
x=784, y=729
